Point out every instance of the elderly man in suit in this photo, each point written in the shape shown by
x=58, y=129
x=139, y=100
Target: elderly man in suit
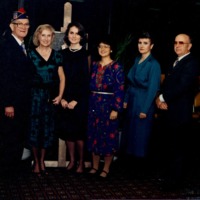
x=176, y=100
x=15, y=81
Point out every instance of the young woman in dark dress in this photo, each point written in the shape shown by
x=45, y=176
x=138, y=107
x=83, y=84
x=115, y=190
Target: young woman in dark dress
x=73, y=122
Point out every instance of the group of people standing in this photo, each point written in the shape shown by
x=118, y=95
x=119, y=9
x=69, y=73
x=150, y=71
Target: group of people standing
x=43, y=91
x=54, y=92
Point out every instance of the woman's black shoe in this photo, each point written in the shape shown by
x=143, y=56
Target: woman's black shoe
x=72, y=169
x=44, y=172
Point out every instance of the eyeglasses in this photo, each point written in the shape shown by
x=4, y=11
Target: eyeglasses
x=180, y=43
x=21, y=25
x=104, y=46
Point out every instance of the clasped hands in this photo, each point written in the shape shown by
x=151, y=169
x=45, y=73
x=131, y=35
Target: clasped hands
x=161, y=105
x=69, y=105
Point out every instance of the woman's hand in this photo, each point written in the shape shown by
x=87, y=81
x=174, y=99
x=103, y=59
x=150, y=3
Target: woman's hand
x=113, y=115
x=57, y=100
x=64, y=103
x=72, y=104
x=142, y=115
x=125, y=105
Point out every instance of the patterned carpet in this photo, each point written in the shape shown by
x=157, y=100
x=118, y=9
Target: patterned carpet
x=59, y=184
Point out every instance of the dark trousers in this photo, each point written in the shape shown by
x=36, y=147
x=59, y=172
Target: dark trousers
x=175, y=151
x=12, y=139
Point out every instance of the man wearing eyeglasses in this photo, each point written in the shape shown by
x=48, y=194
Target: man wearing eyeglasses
x=176, y=102
x=15, y=82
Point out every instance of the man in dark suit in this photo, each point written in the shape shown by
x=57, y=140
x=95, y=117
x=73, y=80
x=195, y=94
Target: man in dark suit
x=15, y=83
x=176, y=100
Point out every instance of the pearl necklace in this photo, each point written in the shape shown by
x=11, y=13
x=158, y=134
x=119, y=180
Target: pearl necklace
x=74, y=50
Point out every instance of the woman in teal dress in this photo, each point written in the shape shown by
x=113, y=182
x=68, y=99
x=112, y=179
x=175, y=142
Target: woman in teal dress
x=143, y=85
x=47, y=90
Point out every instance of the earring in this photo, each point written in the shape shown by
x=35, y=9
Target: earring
x=110, y=51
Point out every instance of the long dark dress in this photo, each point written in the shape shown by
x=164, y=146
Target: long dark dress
x=72, y=124
x=144, y=83
x=45, y=88
x=103, y=134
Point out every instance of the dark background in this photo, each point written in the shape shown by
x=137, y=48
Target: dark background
x=164, y=18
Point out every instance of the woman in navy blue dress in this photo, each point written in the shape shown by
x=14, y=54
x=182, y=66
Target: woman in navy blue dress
x=105, y=103
x=143, y=85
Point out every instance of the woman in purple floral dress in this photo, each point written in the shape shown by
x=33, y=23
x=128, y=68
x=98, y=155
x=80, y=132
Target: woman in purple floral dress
x=105, y=103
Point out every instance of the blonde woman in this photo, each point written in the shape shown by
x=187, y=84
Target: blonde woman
x=47, y=91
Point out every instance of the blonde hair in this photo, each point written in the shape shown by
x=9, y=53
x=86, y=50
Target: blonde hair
x=39, y=30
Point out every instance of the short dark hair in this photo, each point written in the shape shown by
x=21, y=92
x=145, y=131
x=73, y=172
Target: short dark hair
x=146, y=34
x=106, y=39
x=81, y=32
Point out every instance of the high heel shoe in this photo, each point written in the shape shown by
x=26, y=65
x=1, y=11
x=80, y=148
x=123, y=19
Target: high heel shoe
x=104, y=175
x=93, y=171
x=80, y=169
x=37, y=174
x=71, y=168
x=43, y=170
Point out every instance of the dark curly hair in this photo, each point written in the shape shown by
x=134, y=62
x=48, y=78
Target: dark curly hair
x=106, y=39
x=81, y=32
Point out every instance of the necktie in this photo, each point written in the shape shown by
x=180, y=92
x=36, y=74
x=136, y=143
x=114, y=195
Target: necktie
x=23, y=47
x=175, y=63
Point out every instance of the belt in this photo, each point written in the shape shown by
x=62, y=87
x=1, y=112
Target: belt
x=108, y=93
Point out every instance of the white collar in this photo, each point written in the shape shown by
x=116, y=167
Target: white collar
x=17, y=39
x=181, y=57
